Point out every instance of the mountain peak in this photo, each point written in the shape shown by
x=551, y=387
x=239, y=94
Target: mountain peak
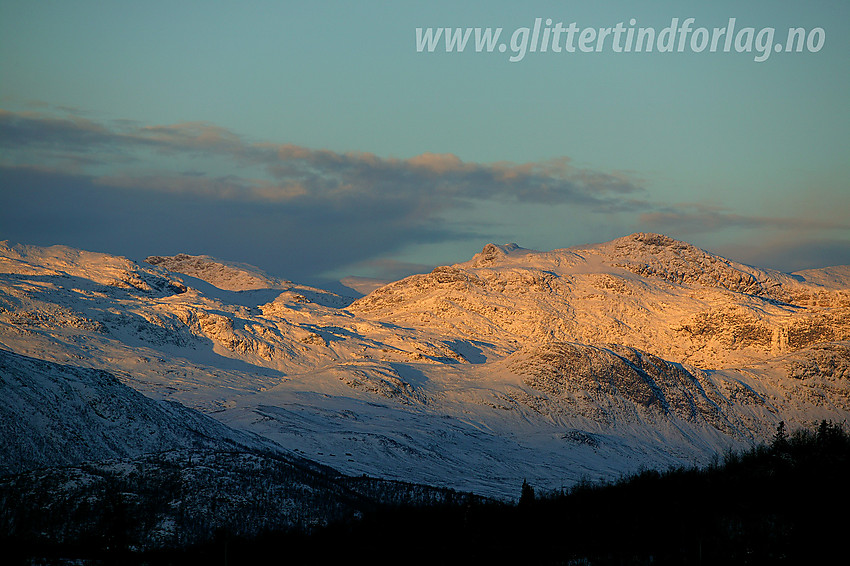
x=505, y=249
x=493, y=252
x=659, y=256
x=653, y=239
x=652, y=244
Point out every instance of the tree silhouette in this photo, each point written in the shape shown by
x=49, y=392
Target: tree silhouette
x=526, y=496
x=780, y=439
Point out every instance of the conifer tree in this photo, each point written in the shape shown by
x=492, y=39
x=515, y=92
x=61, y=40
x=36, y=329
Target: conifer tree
x=780, y=439
x=527, y=494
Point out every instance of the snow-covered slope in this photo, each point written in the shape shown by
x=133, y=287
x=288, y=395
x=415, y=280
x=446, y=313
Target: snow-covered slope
x=224, y=275
x=77, y=445
x=57, y=415
x=69, y=264
x=645, y=290
x=552, y=366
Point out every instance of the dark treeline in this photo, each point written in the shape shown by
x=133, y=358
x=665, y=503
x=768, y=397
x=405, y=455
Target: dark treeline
x=782, y=503
x=122, y=510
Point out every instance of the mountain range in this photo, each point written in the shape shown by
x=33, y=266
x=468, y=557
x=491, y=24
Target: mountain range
x=554, y=367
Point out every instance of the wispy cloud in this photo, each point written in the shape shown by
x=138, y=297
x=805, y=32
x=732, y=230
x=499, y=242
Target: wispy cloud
x=698, y=219
x=182, y=180
x=789, y=252
x=139, y=189
x=33, y=132
x=280, y=172
x=787, y=243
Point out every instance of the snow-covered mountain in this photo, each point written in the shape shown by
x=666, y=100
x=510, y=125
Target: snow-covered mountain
x=59, y=415
x=580, y=363
x=648, y=291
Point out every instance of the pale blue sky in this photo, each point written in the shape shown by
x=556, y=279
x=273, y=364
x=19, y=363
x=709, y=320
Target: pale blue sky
x=745, y=158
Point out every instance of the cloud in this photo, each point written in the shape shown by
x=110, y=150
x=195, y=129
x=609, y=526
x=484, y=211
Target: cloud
x=136, y=189
x=786, y=243
x=298, y=172
x=188, y=136
x=299, y=242
x=698, y=219
x=439, y=163
x=28, y=131
x=790, y=254
x=390, y=269
x=252, y=200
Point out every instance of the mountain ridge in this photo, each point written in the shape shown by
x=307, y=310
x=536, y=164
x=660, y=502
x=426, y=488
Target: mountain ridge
x=501, y=287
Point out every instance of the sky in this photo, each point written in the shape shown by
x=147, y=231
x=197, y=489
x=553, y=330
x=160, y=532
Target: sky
x=314, y=141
